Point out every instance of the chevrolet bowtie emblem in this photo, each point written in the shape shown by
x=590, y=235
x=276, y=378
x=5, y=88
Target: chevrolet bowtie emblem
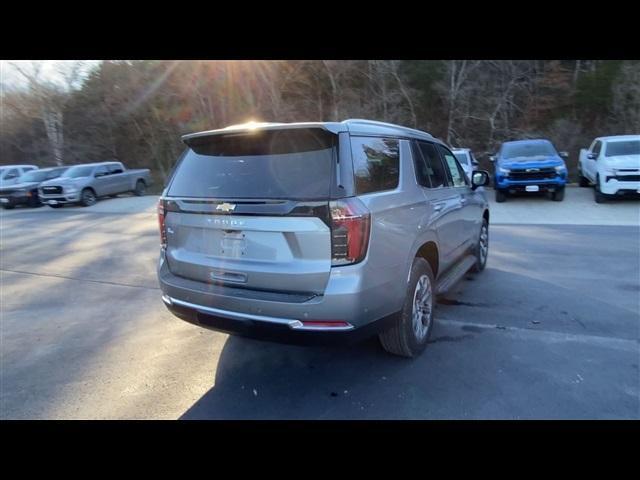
x=226, y=207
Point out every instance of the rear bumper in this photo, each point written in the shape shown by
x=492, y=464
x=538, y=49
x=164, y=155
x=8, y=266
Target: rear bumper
x=280, y=316
x=270, y=328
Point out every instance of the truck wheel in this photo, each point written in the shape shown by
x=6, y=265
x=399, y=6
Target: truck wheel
x=584, y=182
x=87, y=197
x=599, y=196
x=558, y=195
x=8, y=206
x=140, y=189
x=500, y=196
x=482, y=248
x=410, y=333
x=56, y=206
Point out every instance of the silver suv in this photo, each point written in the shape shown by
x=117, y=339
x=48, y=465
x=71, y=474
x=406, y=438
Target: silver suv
x=318, y=232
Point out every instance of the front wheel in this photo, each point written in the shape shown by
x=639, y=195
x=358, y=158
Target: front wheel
x=482, y=248
x=500, y=196
x=558, y=195
x=410, y=333
x=8, y=206
x=584, y=182
x=598, y=195
x=87, y=197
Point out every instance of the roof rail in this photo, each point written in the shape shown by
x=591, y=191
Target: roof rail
x=383, y=124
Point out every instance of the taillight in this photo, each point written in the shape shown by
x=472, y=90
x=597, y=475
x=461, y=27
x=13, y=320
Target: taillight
x=163, y=230
x=350, y=226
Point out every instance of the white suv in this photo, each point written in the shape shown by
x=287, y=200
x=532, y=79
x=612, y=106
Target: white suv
x=612, y=165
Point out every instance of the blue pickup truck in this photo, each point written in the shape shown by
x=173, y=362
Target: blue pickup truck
x=529, y=166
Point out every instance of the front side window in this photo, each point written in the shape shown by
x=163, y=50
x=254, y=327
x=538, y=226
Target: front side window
x=456, y=172
x=376, y=163
x=596, y=148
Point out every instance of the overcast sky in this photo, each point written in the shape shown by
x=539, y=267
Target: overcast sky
x=50, y=70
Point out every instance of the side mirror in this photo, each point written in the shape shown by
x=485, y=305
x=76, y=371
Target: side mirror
x=564, y=154
x=99, y=174
x=479, y=178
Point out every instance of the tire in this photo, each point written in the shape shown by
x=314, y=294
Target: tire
x=140, y=189
x=500, y=196
x=558, y=195
x=34, y=202
x=584, y=182
x=56, y=206
x=482, y=248
x=598, y=195
x=402, y=338
x=88, y=197
x=8, y=207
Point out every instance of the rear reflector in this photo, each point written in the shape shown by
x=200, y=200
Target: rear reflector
x=163, y=231
x=350, y=227
x=325, y=323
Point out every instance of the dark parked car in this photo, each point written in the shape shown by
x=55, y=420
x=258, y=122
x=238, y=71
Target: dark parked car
x=25, y=192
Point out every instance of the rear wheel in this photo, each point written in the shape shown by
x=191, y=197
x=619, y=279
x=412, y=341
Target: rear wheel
x=598, y=195
x=409, y=335
x=558, y=195
x=8, y=206
x=140, y=189
x=56, y=206
x=500, y=196
x=87, y=197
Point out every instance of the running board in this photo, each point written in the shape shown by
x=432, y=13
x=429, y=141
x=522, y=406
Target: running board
x=454, y=274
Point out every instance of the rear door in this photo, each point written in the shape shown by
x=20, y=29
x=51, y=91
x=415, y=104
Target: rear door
x=119, y=181
x=251, y=210
x=443, y=199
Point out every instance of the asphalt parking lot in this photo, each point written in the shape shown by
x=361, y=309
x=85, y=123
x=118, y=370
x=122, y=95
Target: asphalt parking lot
x=550, y=330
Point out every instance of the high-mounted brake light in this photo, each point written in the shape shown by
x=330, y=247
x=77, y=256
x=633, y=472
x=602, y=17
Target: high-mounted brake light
x=163, y=230
x=350, y=228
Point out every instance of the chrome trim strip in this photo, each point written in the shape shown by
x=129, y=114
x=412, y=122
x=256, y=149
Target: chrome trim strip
x=292, y=324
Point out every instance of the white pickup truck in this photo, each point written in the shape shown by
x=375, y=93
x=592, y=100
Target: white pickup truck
x=612, y=165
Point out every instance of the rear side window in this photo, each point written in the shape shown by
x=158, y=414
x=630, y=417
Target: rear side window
x=429, y=169
x=456, y=173
x=115, y=168
x=291, y=164
x=376, y=163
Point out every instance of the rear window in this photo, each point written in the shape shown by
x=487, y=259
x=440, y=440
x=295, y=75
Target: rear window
x=376, y=163
x=291, y=164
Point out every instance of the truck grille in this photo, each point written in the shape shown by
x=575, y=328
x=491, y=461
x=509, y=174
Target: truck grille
x=51, y=190
x=541, y=174
x=627, y=178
